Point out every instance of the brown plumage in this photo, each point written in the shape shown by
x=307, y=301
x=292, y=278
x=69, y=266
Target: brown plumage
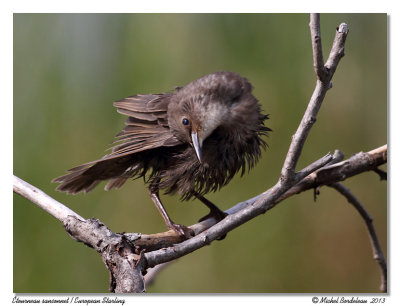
x=191, y=141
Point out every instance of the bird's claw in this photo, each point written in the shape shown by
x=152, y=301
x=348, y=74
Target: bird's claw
x=182, y=231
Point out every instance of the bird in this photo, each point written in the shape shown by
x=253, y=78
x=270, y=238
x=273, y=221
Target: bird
x=191, y=141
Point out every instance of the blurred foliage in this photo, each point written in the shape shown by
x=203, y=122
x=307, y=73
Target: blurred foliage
x=69, y=68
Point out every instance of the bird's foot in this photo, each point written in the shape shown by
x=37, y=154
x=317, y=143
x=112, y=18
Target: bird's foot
x=218, y=215
x=181, y=230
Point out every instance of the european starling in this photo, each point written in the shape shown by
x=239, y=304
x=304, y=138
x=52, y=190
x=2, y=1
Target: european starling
x=191, y=141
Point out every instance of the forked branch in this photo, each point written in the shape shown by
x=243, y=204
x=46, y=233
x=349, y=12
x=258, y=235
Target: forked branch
x=324, y=74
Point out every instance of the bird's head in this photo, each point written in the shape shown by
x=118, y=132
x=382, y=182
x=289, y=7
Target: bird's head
x=199, y=108
x=197, y=120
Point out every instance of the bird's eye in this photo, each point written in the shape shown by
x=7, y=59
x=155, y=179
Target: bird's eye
x=185, y=121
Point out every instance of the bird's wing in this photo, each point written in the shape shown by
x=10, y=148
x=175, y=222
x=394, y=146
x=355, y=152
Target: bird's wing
x=146, y=128
x=147, y=124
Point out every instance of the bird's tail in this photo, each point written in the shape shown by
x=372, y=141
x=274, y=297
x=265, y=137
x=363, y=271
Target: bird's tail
x=87, y=176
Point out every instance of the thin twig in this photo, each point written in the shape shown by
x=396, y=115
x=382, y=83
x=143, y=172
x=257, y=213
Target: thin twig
x=316, y=44
x=340, y=171
x=337, y=51
x=376, y=247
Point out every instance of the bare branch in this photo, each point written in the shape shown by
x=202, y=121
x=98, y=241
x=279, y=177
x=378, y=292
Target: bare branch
x=316, y=43
x=247, y=210
x=121, y=258
x=258, y=206
x=322, y=86
x=118, y=255
x=356, y=164
x=159, y=245
x=337, y=51
x=313, y=167
x=376, y=247
x=38, y=197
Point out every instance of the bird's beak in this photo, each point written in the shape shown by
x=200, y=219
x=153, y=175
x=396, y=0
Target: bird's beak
x=197, y=144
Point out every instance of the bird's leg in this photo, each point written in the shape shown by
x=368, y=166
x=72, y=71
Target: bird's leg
x=215, y=212
x=181, y=230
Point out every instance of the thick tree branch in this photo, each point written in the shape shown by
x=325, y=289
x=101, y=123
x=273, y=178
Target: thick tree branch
x=376, y=247
x=119, y=256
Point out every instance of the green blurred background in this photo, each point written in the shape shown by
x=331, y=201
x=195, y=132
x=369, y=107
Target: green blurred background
x=69, y=68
